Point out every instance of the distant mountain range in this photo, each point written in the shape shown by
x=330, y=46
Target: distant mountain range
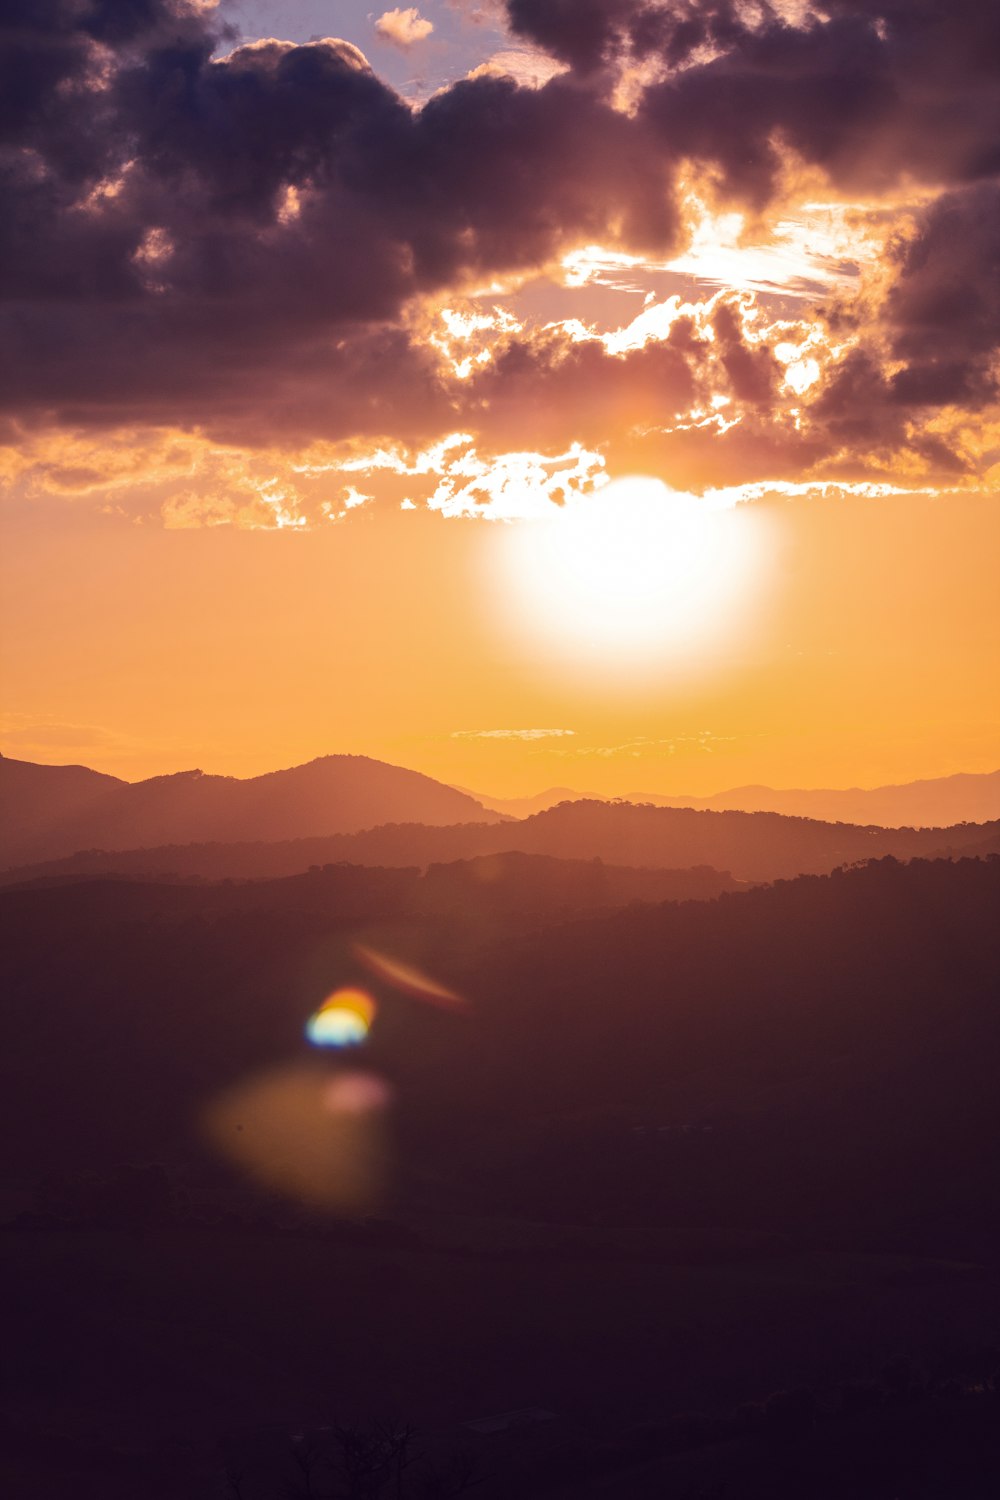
x=936, y=803
x=48, y=812
x=523, y=807
x=751, y=847
x=57, y=820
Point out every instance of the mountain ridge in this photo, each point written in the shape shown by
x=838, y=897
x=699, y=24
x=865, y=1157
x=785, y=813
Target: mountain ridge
x=753, y=847
x=51, y=812
x=929, y=802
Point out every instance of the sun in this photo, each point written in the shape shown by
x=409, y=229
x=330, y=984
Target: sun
x=633, y=574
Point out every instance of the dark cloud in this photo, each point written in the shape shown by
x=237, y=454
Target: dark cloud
x=826, y=92
x=855, y=408
x=522, y=397
x=753, y=373
x=592, y=34
x=934, y=340
x=583, y=33
x=238, y=219
x=943, y=310
x=867, y=90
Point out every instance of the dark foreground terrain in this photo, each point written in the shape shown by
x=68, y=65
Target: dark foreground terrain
x=686, y=1199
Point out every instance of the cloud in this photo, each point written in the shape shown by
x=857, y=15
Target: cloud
x=59, y=736
x=514, y=486
x=715, y=392
x=238, y=235
x=187, y=481
x=481, y=12
x=512, y=734
x=403, y=28
x=583, y=34
x=253, y=243
x=941, y=313
x=867, y=91
x=640, y=746
x=49, y=740
x=920, y=371
x=528, y=66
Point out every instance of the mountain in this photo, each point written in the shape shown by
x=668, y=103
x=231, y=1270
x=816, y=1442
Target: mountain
x=536, y=884
x=820, y=1053
x=752, y=847
x=523, y=807
x=936, y=803
x=49, y=812
x=755, y=1139
x=486, y=893
x=34, y=799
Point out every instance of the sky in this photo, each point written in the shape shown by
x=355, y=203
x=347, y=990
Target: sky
x=595, y=393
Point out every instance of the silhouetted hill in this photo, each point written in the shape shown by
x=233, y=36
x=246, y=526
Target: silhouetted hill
x=49, y=812
x=523, y=807
x=935, y=803
x=665, y=1162
x=980, y=848
x=397, y=844
x=817, y=1053
x=752, y=846
x=523, y=886
x=35, y=799
x=531, y=884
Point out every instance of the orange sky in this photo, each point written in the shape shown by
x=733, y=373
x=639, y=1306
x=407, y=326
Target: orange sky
x=874, y=656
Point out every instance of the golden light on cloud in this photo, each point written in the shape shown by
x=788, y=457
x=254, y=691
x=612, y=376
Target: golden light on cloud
x=633, y=577
x=820, y=246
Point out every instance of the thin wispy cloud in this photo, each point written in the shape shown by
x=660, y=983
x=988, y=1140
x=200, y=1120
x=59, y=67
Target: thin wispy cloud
x=512, y=734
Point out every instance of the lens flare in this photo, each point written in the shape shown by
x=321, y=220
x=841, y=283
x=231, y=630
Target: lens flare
x=356, y=1094
x=319, y=1140
x=407, y=978
x=343, y=1020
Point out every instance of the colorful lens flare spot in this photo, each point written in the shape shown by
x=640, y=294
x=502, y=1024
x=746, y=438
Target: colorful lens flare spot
x=356, y=1094
x=343, y=1020
x=404, y=977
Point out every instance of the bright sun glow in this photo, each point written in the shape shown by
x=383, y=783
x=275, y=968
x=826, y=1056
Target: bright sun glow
x=634, y=574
